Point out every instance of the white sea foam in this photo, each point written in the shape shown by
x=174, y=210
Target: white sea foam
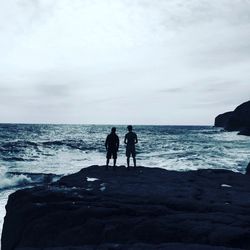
x=8, y=181
x=92, y=179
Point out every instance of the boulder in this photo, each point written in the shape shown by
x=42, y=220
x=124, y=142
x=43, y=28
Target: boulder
x=143, y=208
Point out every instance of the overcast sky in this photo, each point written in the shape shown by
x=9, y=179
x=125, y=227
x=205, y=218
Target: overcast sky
x=123, y=61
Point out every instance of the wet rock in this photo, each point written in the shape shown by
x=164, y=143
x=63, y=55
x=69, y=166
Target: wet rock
x=244, y=131
x=222, y=119
x=143, y=208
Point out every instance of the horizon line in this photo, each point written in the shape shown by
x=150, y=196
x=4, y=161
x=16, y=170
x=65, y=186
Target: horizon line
x=101, y=124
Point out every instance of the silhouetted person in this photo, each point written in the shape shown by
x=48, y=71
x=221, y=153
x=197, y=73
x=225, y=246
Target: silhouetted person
x=130, y=140
x=112, y=145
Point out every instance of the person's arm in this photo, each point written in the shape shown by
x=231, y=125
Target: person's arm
x=125, y=139
x=136, y=139
x=117, y=143
x=106, y=143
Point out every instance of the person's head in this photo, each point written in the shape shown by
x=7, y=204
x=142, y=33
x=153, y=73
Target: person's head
x=113, y=130
x=130, y=128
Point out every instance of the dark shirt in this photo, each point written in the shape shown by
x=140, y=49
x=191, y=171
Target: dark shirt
x=130, y=139
x=112, y=141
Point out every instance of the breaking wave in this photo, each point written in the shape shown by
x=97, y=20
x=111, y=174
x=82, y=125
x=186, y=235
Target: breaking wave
x=9, y=180
x=73, y=144
x=19, y=179
x=17, y=146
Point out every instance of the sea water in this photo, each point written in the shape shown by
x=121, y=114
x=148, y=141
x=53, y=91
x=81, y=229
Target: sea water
x=26, y=149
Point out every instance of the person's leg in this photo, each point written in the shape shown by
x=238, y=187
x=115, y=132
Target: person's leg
x=107, y=163
x=134, y=160
x=114, y=157
x=114, y=166
x=128, y=156
x=128, y=161
x=108, y=158
x=133, y=155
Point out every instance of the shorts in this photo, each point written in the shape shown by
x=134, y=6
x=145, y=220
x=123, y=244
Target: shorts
x=130, y=151
x=110, y=153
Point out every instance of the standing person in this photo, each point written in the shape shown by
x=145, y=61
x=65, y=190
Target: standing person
x=112, y=146
x=130, y=140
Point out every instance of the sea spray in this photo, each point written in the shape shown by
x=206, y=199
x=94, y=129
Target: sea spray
x=12, y=180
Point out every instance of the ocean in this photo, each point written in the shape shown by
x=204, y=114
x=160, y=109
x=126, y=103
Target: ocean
x=27, y=151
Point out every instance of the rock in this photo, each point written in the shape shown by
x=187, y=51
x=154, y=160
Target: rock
x=237, y=120
x=240, y=118
x=248, y=169
x=138, y=246
x=244, y=131
x=143, y=208
x=222, y=120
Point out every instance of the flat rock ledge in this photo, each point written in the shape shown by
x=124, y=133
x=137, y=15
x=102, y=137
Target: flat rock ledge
x=141, y=208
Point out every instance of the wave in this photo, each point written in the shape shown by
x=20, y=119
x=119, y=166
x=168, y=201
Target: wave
x=16, y=159
x=38, y=178
x=74, y=144
x=20, y=143
x=17, y=146
x=212, y=132
x=19, y=179
x=53, y=143
x=9, y=181
x=23, y=145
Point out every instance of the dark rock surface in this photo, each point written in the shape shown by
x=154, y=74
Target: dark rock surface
x=248, y=169
x=244, y=131
x=222, y=119
x=137, y=246
x=143, y=208
x=237, y=120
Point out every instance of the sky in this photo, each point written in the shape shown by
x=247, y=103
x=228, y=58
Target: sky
x=161, y=62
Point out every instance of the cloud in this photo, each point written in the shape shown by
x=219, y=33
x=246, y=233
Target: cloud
x=172, y=90
x=53, y=90
x=99, y=57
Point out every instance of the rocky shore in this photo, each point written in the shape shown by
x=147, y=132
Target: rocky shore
x=143, y=208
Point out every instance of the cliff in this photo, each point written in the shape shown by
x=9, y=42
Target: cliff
x=143, y=208
x=237, y=120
